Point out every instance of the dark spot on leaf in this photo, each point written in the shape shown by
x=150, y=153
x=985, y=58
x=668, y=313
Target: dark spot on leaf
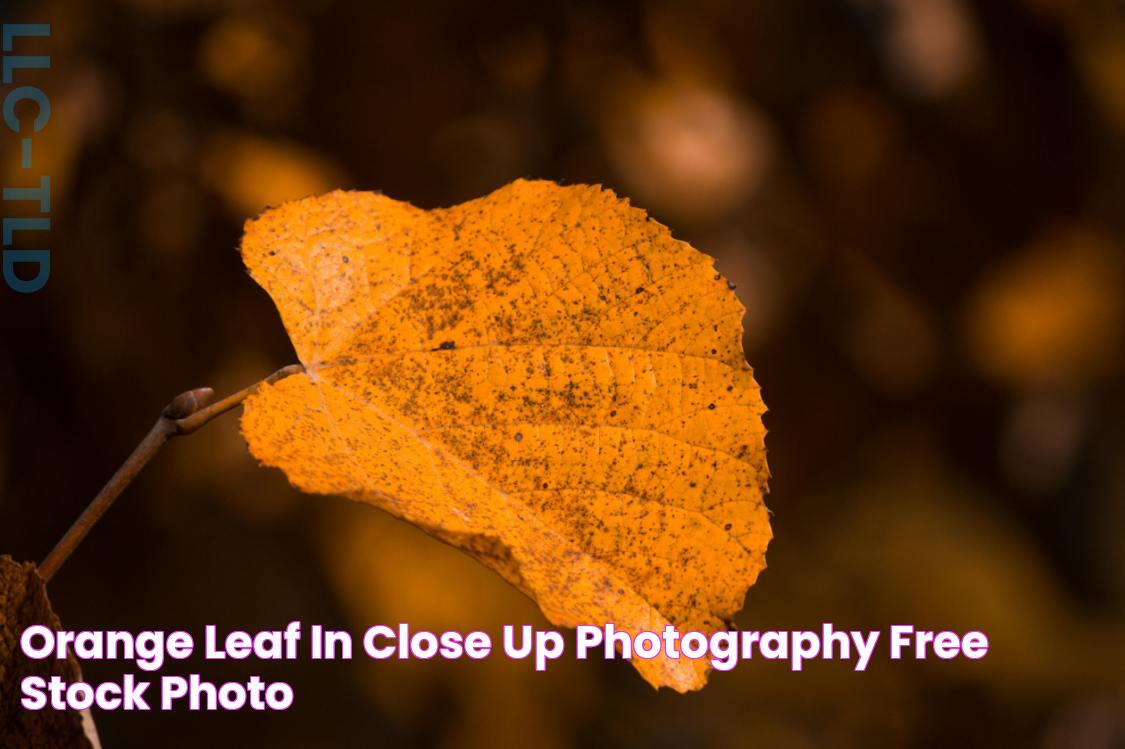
x=519, y=437
x=640, y=289
x=727, y=527
x=345, y=259
x=447, y=345
x=711, y=406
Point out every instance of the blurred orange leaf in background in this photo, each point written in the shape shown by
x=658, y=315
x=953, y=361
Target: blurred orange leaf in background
x=543, y=378
x=1052, y=313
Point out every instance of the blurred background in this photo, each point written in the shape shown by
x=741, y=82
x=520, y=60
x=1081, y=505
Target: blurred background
x=921, y=203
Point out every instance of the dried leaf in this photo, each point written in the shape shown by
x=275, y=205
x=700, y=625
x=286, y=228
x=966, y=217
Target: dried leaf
x=23, y=602
x=542, y=377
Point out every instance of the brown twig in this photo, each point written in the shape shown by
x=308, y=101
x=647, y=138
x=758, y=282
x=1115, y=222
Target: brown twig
x=185, y=414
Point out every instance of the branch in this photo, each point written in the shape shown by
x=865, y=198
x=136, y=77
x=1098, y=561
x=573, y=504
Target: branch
x=185, y=414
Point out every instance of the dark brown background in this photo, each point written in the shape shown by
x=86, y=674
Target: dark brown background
x=920, y=201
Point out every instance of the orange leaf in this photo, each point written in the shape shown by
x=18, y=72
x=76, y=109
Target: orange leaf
x=542, y=377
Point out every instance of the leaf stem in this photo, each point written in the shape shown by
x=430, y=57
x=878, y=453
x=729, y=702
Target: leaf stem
x=185, y=414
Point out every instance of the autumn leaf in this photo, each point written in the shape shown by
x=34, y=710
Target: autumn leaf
x=542, y=377
x=23, y=602
x=1051, y=313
